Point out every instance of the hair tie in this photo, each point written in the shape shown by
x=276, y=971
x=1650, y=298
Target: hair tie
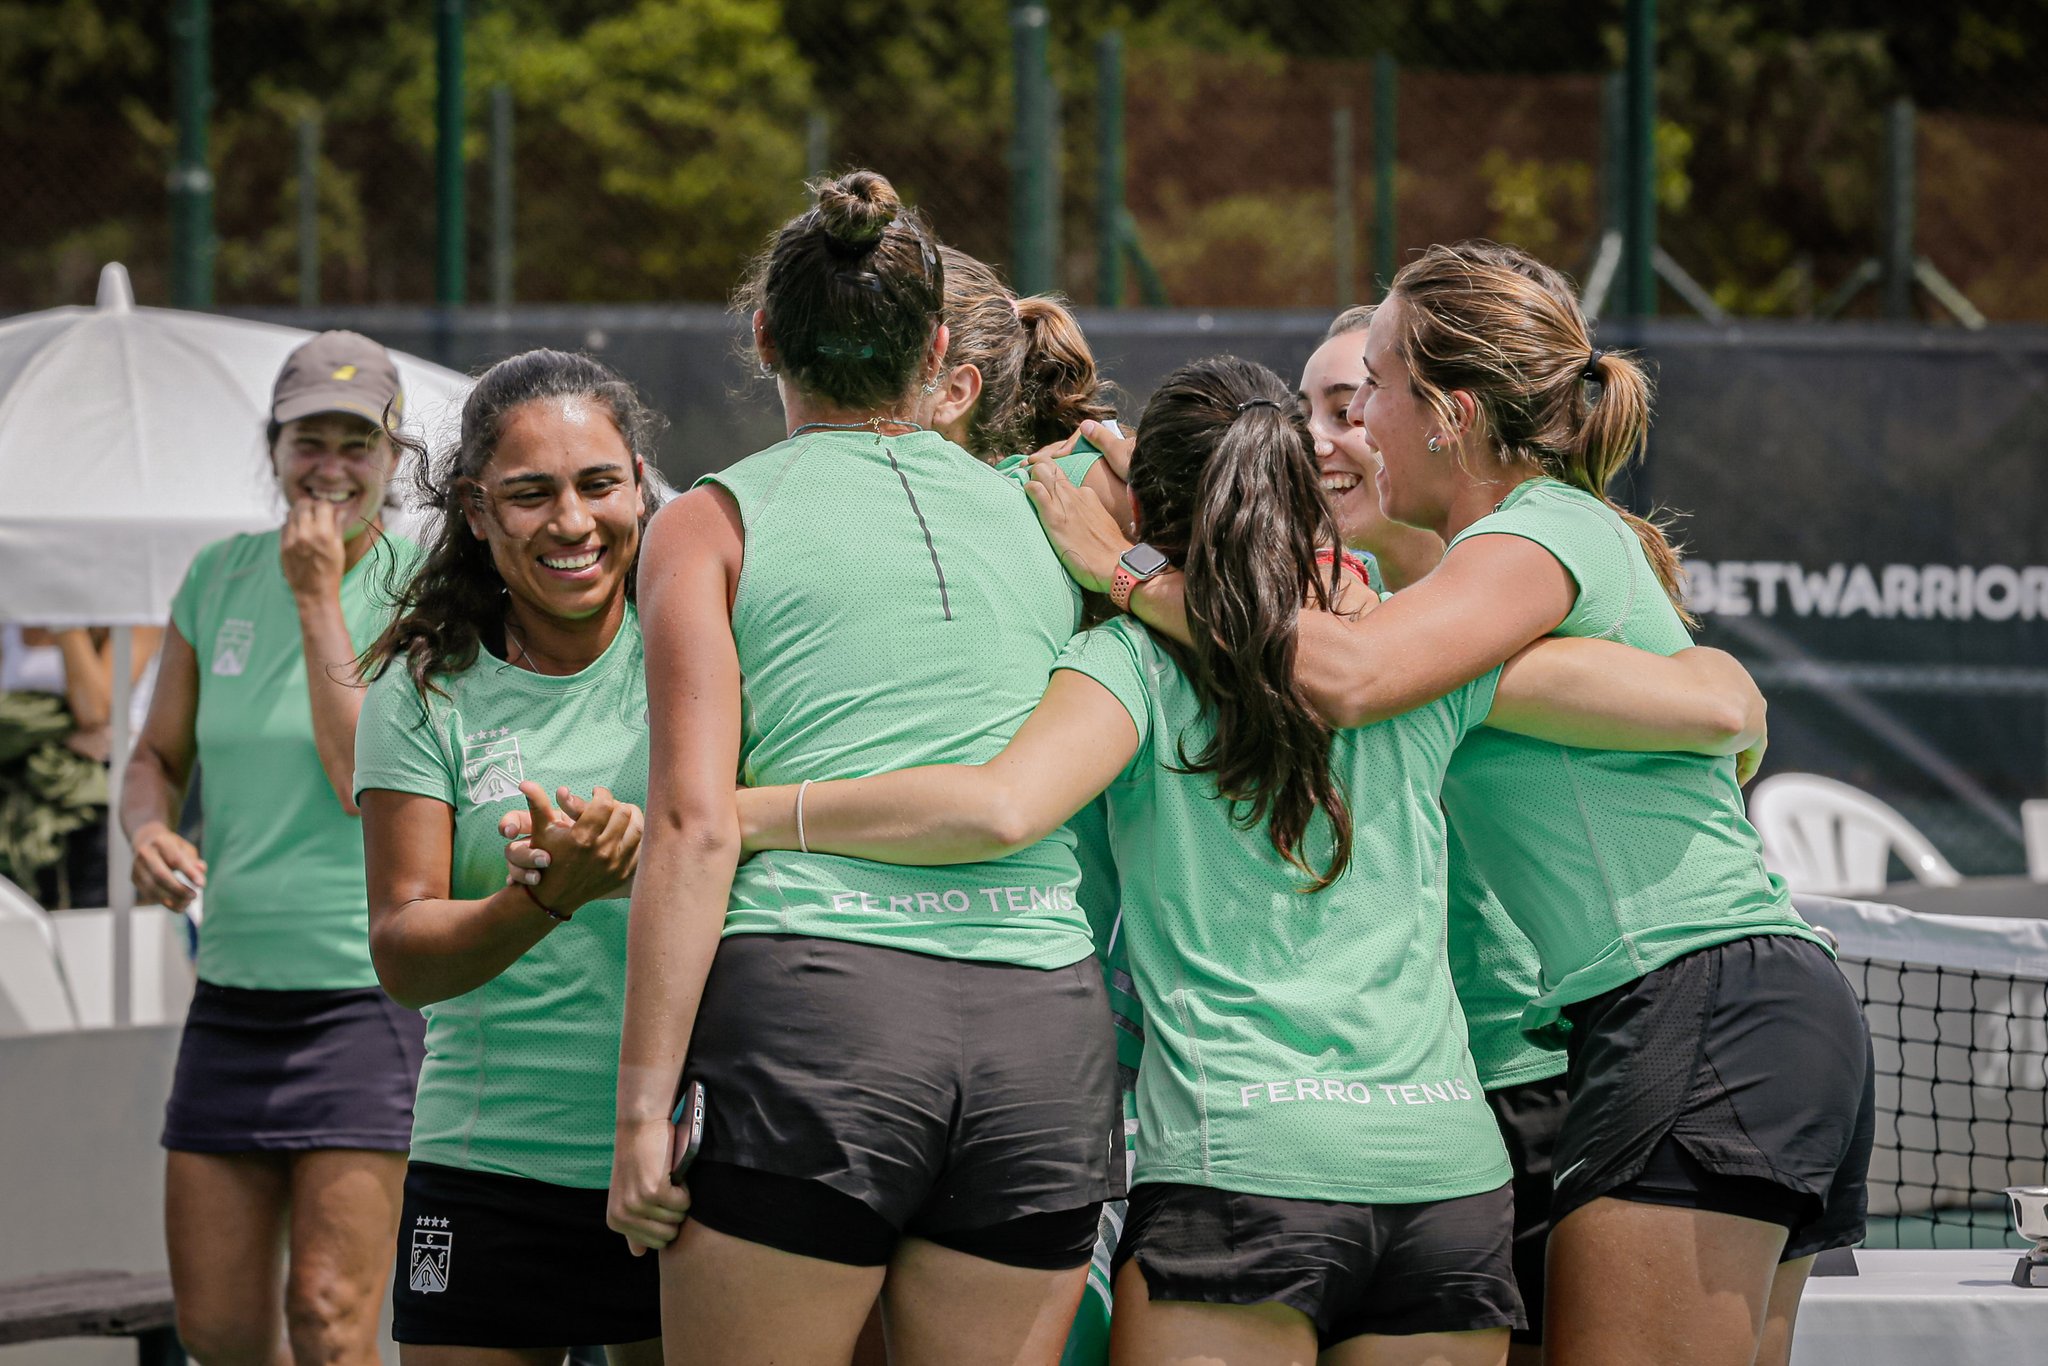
x=1592, y=367
x=1272, y=403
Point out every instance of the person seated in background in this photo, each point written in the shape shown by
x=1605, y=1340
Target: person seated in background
x=56, y=710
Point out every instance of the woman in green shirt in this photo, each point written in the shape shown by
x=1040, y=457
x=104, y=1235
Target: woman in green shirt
x=910, y=1074
x=1493, y=963
x=287, y=1119
x=1303, y=1143
x=513, y=669
x=1721, y=1114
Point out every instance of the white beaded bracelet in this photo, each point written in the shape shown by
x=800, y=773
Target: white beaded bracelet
x=803, y=845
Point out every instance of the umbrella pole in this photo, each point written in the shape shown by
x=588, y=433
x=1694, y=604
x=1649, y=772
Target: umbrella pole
x=120, y=889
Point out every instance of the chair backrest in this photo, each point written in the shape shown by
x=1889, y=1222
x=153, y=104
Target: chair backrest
x=1824, y=836
x=34, y=997
x=2034, y=828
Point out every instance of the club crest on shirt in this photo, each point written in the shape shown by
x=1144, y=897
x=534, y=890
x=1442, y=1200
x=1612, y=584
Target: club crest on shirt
x=432, y=1246
x=231, y=646
x=491, y=766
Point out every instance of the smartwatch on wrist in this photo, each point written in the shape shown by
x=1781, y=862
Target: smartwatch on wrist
x=1135, y=566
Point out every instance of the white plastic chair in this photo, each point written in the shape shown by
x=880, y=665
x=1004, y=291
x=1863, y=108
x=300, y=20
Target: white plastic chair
x=35, y=998
x=2034, y=825
x=1828, y=837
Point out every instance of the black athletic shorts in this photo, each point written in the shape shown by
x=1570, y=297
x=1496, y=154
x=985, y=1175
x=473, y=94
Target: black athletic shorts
x=1531, y=1116
x=486, y=1260
x=1443, y=1266
x=954, y=1100
x=1736, y=1079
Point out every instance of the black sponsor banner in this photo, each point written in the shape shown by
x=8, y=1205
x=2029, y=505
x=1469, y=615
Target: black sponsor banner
x=1865, y=511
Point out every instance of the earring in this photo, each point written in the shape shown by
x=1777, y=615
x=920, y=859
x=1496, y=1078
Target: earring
x=930, y=386
x=1434, y=445
x=766, y=370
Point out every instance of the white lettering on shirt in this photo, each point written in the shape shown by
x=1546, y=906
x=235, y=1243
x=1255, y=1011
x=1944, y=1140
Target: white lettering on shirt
x=1447, y=1089
x=958, y=901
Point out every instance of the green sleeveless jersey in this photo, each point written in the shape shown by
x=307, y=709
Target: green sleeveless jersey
x=286, y=908
x=521, y=1073
x=1612, y=863
x=1307, y=1046
x=898, y=606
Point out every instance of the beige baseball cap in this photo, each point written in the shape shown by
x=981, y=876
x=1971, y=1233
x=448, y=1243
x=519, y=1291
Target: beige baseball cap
x=337, y=372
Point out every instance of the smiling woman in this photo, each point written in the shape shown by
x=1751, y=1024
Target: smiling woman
x=293, y=1093
x=519, y=664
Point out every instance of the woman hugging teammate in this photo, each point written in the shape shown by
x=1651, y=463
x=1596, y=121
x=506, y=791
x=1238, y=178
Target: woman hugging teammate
x=1314, y=1169
x=1635, y=875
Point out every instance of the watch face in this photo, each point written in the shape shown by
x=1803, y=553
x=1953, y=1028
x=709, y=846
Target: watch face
x=1143, y=561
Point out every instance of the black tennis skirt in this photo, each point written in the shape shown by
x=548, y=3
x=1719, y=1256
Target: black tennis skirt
x=290, y=1071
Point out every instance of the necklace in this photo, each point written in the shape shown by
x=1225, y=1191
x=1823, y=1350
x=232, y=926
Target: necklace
x=519, y=645
x=874, y=424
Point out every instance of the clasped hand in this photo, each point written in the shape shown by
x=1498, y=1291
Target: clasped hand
x=582, y=851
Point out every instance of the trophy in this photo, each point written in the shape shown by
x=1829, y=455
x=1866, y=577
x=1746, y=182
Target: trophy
x=2030, y=1217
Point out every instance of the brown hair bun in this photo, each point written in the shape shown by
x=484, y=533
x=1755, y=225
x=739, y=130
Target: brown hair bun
x=855, y=210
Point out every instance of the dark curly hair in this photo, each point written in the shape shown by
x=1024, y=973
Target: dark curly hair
x=456, y=600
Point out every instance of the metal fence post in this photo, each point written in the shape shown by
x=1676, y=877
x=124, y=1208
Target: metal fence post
x=1344, y=197
x=1109, y=148
x=1639, y=238
x=1897, y=253
x=191, y=181
x=1032, y=225
x=817, y=143
x=1385, y=79
x=502, y=259
x=309, y=212
x=450, y=234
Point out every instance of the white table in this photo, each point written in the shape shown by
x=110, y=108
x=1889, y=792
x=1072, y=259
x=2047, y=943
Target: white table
x=1912, y=1308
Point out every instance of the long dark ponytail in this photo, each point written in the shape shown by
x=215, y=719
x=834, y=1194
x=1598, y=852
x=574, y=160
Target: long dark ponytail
x=1226, y=486
x=456, y=600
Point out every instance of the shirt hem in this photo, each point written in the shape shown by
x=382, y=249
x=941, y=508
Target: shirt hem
x=1291, y=1187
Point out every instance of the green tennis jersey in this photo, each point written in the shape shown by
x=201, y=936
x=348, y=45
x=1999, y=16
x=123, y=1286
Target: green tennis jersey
x=899, y=606
x=285, y=905
x=1493, y=964
x=1308, y=1046
x=520, y=1076
x=1612, y=863
x=1101, y=890
x=1494, y=967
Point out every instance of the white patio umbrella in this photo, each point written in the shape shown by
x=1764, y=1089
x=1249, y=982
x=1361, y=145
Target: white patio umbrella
x=130, y=438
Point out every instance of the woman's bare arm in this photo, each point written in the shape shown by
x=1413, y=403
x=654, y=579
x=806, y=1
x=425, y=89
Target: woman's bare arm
x=428, y=946
x=1600, y=694
x=689, y=568
x=313, y=557
x=1072, y=746
x=153, y=786
x=1437, y=635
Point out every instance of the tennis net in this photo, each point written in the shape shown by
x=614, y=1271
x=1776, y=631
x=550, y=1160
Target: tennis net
x=1958, y=1012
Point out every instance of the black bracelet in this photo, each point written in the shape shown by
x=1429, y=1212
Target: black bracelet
x=546, y=909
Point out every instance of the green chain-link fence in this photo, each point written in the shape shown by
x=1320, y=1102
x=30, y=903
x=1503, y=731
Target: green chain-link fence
x=1275, y=153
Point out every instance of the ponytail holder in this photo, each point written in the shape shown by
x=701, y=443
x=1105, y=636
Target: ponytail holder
x=1592, y=367
x=1259, y=402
